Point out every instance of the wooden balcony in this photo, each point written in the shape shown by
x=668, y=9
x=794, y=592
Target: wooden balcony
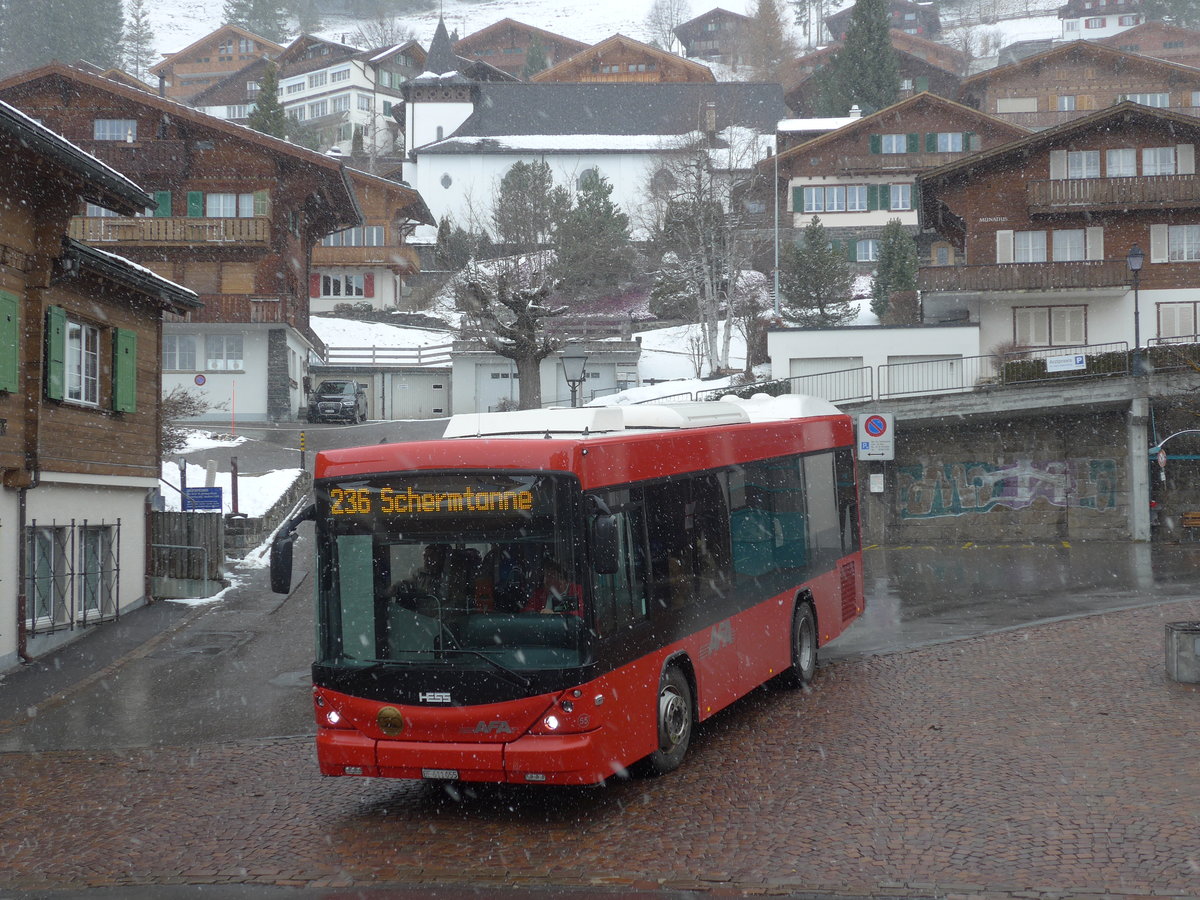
x=1153, y=191
x=1037, y=121
x=899, y=162
x=171, y=231
x=1080, y=276
x=242, y=309
x=403, y=258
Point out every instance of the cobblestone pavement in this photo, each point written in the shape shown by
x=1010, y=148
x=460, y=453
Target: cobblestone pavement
x=1052, y=760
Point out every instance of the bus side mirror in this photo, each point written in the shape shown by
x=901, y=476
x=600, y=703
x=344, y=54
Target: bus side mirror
x=281, y=562
x=282, y=546
x=605, y=545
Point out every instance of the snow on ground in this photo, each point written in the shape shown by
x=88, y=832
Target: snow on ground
x=256, y=493
x=353, y=333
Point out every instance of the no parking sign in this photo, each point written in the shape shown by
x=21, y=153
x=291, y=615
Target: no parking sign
x=876, y=436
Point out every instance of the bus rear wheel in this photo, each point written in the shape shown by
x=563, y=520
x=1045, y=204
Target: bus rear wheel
x=674, y=722
x=804, y=647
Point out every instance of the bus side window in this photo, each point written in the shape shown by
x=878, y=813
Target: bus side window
x=620, y=598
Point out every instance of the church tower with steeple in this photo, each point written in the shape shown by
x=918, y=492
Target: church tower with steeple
x=439, y=99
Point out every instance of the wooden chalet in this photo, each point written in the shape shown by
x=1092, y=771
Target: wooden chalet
x=857, y=178
x=205, y=62
x=1042, y=228
x=623, y=59
x=914, y=18
x=1076, y=78
x=369, y=263
x=923, y=65
x=80, y=339
x=1160, y=40
x=234, y=217
x=506, y=45
x=715, y=36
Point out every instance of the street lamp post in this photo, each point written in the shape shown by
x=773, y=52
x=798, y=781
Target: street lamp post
x=574, y=358
x=1134, y=260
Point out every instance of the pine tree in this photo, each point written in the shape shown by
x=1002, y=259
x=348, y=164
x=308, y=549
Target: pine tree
x=268, y=19
x=237, y=12
x=815, y=280
x=864, y=71
x=36, y=33
x=528, y=206
x=766, y=43
x=593, y=239
x=896, y=269
x=535, y=60
x=138, y=43
x=268, y=115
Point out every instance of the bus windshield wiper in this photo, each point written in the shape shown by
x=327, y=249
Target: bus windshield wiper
x=517, y=677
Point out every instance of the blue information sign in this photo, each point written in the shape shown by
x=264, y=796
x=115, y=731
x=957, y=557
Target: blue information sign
x=202, y=498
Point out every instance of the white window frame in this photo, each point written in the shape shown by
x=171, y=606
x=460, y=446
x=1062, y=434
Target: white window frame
x=47, y=576
x=179, y=352
x=893, y=143
x=950, y=142
x=1083, y=164
x=1069, y=244
x=317, y=79
x=339, y=75
x=1183, y=243
x=1050, y=326
x=867, y=250
x=95, y=574
x=81, y=363
x=856, y=198
x=343, y=284
x=900, y=197
x=1029, y=246
x=224, y=353
x=114, y=130
x=1120, y=163
x=1158, y=161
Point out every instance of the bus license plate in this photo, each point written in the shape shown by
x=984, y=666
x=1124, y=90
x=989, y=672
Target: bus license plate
x=442, y=774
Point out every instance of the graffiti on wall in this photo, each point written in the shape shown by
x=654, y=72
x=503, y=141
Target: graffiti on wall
x=955, y=489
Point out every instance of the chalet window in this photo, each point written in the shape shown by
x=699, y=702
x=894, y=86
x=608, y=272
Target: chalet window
x=229, y=206
x=950, y=142
x=1158, y=160
x=1177, y=320
x=1050, y=326
x=48, y=576
x=1083, y=163
x=294, y=87
x=92, y=211
x=856, y=198
x=866, y=251
x=366, y=236
x=245, y=45
x=1195, y=98
x=825, y=199
x=1066, y=102
x=364, y=102
x=942, y=255
x=343, y=285
x=225, y=48
x=1069, y=244
x=238, y=111
x=10, y=345
x=223, y=352
x=1029, y=246
x=318, y=109
x=900, y=196
x=179, y=352
x=1158, y=100
x=96, y=575
x=114, y=129
x=1071, y=25
x=340, y=103
x=82, y=363
x=1127, y=20
x=339, y=75
x=253, y=87
x=317, y=79
x=1183, y=243
x=1096, y=22
x=1120, y=163
x=895, y=143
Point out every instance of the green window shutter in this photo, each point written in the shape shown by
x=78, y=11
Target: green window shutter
x=916, y=195
x=922, y=83
x=195, y=204
x=10, y=346
x=162, y=204
x=851, y=251
x=262, y=203
x=969, y=138
x=914, y=142
x=797, y=199
x=124, y=370
x=872, y=197
x=930, y=142
x=876, y=143
x=56, y=352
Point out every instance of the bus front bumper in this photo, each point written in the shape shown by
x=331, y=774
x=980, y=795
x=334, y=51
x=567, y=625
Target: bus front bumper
x=530, y=759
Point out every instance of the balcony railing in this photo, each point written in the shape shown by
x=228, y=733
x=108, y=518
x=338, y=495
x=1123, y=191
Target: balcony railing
x=390, y=357
x=241, y=309
x=403, y=257
x=1036, y=121
x=1155, y=191
x=170, y=231
x=903, y=162
x=1061, y=276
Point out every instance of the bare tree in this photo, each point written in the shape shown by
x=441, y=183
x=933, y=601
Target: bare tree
x=699, y=210
x=382, y=32
x=506, y=304
x=663, y=18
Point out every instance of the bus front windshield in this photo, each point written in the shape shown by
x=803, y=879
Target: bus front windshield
x=476, y=569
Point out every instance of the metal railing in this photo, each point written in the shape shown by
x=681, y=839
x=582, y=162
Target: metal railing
x=392, y=357
x=1099, y=360
x=937, y=376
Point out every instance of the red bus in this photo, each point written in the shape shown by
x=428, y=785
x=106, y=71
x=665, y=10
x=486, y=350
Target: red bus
x=553, y=596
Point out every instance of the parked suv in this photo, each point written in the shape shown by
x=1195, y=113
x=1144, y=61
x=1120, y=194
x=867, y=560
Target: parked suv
x=338, y=401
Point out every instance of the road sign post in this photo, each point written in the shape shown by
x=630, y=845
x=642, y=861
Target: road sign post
x=876, y=436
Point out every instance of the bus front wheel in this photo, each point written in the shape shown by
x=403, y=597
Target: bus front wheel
x=804, y=646
x=674, y=722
